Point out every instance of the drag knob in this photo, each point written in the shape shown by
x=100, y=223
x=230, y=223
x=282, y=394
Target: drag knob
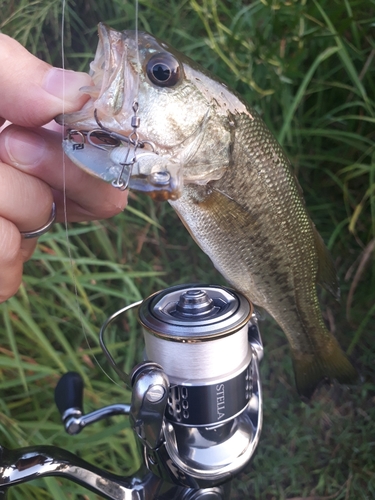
x=194, y=302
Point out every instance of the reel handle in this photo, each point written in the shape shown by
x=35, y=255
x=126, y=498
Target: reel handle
x=69, y=393
x=69, y=401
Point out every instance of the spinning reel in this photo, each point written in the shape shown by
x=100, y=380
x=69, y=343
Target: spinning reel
x=196, y=406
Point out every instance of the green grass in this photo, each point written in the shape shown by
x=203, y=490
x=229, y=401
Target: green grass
x=308, y=67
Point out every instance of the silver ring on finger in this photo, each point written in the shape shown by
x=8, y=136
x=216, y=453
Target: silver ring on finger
x=47, y=226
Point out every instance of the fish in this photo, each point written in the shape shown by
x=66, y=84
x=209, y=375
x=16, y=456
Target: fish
x=196, y=143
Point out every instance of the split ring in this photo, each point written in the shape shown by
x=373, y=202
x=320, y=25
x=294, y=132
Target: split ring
x=43, y=229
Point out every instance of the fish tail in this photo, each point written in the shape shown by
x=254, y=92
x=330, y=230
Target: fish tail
x=331, y=363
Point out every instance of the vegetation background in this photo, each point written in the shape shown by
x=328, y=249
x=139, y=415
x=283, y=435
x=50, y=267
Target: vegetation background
x=308, y=67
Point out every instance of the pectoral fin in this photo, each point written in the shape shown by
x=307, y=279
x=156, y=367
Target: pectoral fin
x=326, y=276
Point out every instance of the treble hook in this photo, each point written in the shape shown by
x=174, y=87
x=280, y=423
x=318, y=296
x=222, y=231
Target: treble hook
x=134, y=140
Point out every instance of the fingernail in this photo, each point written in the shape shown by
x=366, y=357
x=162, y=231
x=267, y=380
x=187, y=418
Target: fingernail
x=25, y=149
x=65, y=84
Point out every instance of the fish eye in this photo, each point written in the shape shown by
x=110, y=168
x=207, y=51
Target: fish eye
x=163, y=70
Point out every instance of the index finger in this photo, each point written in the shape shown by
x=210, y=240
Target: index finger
x=32, y=91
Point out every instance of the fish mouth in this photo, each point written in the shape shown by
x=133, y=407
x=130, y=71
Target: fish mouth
x=114, y=88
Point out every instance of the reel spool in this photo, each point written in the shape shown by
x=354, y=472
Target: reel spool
x=199, y=336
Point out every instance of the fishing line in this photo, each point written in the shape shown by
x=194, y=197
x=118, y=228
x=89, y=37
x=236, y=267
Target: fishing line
x=137, y=51
x=69, y=249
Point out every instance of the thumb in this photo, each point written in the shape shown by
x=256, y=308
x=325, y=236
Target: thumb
x=33, y=92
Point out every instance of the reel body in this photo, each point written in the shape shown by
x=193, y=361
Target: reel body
x=200, y=336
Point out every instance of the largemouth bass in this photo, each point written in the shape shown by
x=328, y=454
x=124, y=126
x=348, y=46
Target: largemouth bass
x=226, y=176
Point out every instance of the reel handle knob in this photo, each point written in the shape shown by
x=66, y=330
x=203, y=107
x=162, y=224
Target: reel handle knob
x=69, y=393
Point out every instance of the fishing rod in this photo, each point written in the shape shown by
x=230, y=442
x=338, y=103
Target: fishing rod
x=195, y=409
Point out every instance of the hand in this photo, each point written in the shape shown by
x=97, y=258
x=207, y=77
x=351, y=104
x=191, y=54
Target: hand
x=31, y=158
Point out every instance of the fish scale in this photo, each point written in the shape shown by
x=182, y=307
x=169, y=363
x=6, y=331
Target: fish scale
x=230, y=183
